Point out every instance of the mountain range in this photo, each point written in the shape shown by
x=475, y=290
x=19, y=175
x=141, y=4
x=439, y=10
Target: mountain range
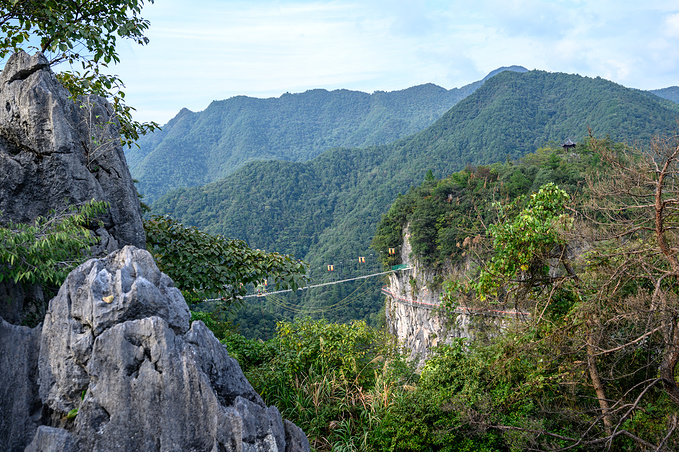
x=325, y=210
x=194, y=149
x=289, y=205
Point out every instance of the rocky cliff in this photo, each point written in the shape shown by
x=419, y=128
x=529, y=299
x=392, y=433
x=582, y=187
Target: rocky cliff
x=415, y=316
x=55, y=153
x=117, y=367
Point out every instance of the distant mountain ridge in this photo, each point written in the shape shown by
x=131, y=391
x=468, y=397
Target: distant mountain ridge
x=327, y=208
x=197, y=148
x=509, y=116
x=670, y=93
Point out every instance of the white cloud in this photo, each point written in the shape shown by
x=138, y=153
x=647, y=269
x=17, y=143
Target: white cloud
x=672, y=25
x=205, y=50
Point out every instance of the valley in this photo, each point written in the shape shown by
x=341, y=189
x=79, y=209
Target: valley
x=325, y=210
x=492, y=267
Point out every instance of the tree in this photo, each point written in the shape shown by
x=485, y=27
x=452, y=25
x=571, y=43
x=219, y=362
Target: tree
x=204, y=265
x=633, y=211
x=605, y=327
x=84, y=32
x=44, y=252
x=523, y=242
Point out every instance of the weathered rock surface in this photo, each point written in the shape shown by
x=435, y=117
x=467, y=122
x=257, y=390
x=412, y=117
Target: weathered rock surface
x=412, y=313
x=20, y=405
x=413, y=309
x=53, y=440
x=54, y=153
x=117, y=346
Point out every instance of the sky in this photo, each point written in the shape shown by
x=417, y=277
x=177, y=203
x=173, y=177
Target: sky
x=205, y=50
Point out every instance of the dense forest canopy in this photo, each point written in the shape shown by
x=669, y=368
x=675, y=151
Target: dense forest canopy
x=442, y=216
x=197, y=148
x=670, y=93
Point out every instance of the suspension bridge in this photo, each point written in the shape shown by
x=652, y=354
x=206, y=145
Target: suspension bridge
x=266, y=293
x=403, y=267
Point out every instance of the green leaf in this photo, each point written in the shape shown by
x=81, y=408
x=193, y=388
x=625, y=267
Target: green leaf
x=211, y=266
x=72, y=414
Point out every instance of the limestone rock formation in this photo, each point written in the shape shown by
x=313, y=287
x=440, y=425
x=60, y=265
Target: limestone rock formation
x=19, y=401
x=413, y=309
x=55, y=153
x=117, y=353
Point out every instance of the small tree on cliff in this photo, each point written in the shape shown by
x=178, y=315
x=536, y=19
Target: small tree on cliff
x=203, y=265
x=44, y=252
x=84, y=33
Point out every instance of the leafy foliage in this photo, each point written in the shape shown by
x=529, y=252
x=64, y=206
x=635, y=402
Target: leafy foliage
x=46, y=251
x=594, y=365
x=602, y=320
x=64, y=28
x=204, y=265
x=523, y=244
x=39, y=256
x=538, y=385
x=333, y=380
x=446, y=219
x=349, y=388
x=83, y=32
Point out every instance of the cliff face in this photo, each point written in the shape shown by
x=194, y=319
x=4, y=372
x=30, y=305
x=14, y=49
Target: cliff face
x=55, y=153
x=415, y=315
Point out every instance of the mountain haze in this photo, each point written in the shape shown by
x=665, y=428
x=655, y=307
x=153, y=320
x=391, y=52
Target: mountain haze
x=197, y=148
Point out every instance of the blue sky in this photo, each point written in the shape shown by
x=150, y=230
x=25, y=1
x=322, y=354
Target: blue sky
x=205, y=50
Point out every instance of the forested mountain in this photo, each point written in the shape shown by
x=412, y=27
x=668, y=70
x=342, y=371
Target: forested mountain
x=671, y=93
x=198, y=148
x=584, y=357
x=325, y=210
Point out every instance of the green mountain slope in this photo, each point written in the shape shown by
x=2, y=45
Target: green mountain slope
x=325, y=210
x=671, y=93
x=198, y=148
